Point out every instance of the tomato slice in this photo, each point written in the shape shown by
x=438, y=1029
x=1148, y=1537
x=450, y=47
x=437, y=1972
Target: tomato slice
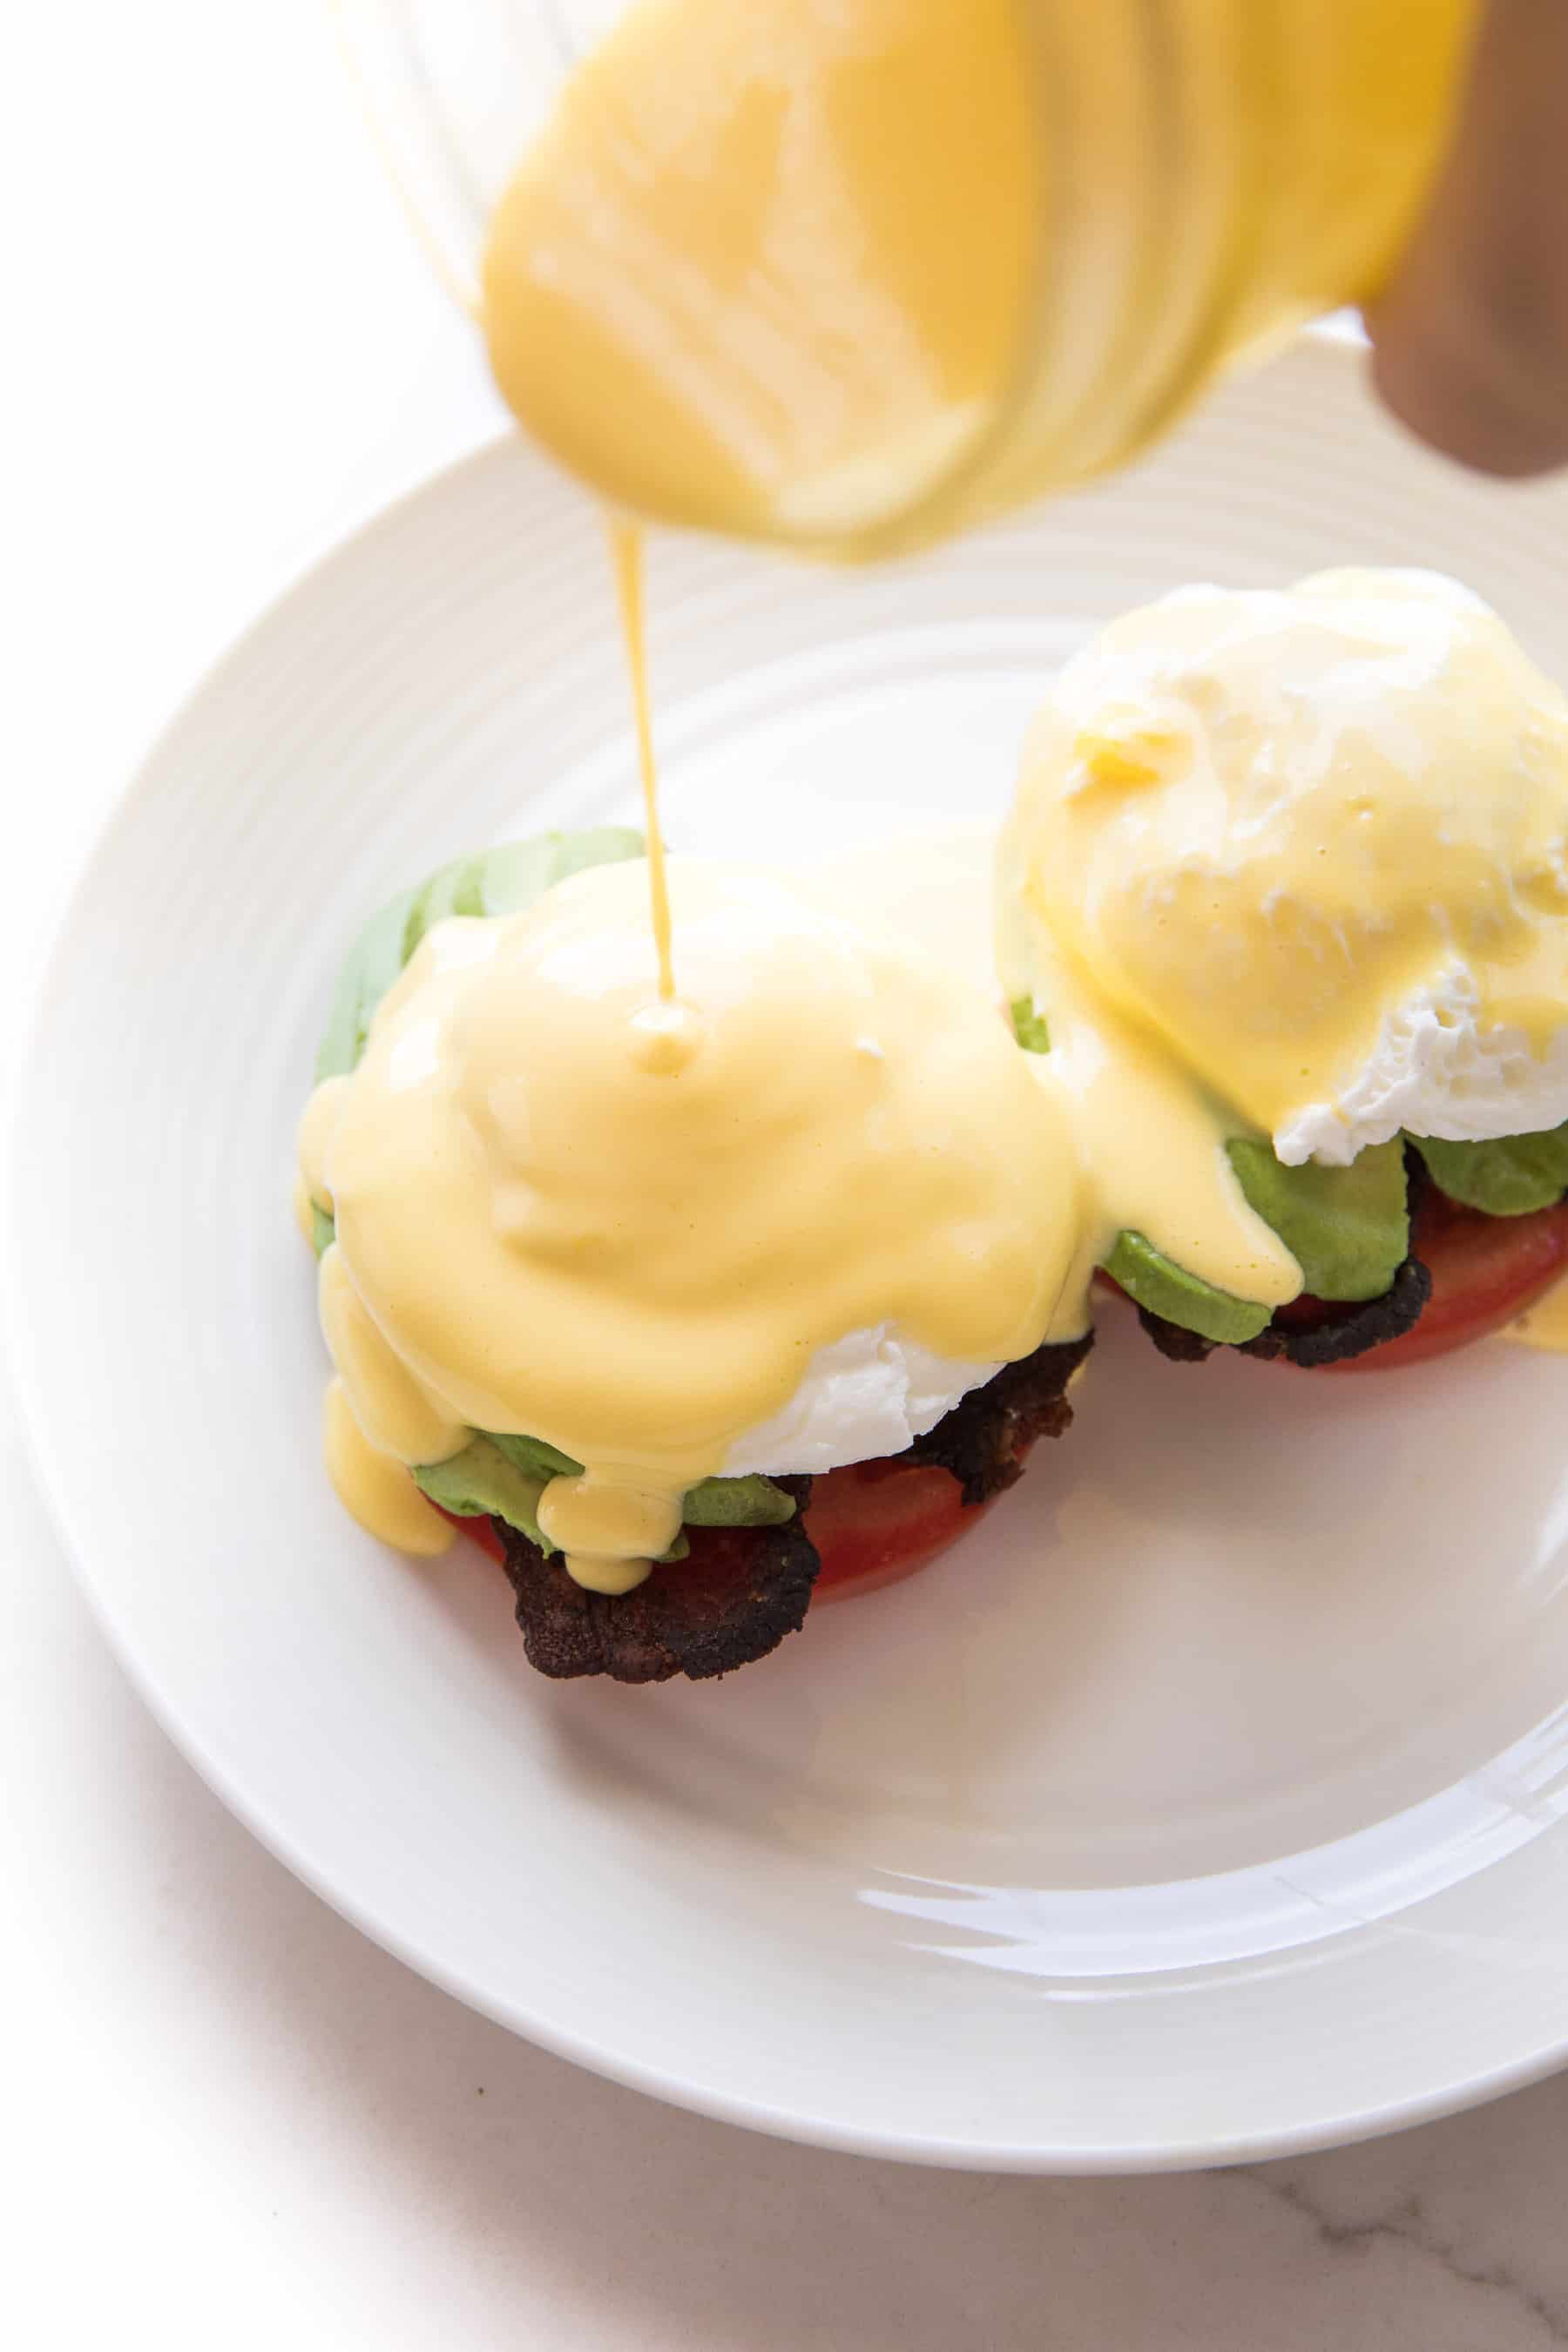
x=876, y=1522
x=873, y=1524
x=480, y=1531
x=1485, y=1271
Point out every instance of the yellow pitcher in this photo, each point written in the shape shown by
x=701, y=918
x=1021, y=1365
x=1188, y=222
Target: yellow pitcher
x=848, y=275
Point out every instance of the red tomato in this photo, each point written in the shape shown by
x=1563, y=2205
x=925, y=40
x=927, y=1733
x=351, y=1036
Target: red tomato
x=480, y=1531
x=878, y=1521
x=873, y=1524
x=1485, y=1271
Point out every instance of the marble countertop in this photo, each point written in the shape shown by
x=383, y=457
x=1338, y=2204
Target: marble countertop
x=232, y=2119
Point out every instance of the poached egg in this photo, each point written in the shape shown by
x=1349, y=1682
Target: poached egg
x=784, y=1222
x=1315, y=842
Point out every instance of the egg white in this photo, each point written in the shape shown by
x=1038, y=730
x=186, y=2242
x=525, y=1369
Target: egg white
x=1435, y=1070
x=871, y=1393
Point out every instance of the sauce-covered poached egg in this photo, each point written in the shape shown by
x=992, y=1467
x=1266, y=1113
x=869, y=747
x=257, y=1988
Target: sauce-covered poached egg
x=1315, y=842
x=784, y=1221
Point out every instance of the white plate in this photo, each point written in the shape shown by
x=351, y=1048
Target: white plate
x=1208, y=1804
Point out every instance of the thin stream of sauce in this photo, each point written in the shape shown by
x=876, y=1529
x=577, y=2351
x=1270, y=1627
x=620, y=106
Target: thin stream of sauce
x=627, y=556
x=844, y=1131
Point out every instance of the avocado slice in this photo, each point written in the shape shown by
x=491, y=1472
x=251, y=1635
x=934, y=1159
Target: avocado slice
x=1166, y=1289
x=496, y=882
x=532, y=1457
x=452, y=890
x=1347, y=1228
x=1508, y=1178
x=512, y=876
x=1029, y=1025
x=750, y=1502
x=323, y=1229
x=484, y=1481
x=373, y=963
x=480, y=1483
x=595, y=845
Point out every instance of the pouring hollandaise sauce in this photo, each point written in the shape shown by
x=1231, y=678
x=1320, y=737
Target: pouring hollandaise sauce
x=695, y=1231
x=626, y=557
x=1281, y=922
x=608, y=1295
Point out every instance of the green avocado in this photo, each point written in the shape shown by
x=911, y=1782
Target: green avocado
x=515, y=876
x=323, y=1229
x=453, y=889
x=1029, y=1025
x=1166, y=1289
x=373, y=963
x=496, y=882
x=1508, y=1178
x=480, y=1483
x=532, y=1457
x=752, y=1502
x=1347, y=1228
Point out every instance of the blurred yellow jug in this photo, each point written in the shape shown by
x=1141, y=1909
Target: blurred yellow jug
x=849, y=275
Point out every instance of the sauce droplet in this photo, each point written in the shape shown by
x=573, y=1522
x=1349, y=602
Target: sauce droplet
x=665, y=1036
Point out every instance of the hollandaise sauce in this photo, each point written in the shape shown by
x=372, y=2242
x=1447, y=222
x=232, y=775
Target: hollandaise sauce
x=1309, y=847
x=1286, y=870
x=1545, y=1325
x=547, y=1225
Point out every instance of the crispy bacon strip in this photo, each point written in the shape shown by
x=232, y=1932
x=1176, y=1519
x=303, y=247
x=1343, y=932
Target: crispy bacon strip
x=1314, y=1335
x=742, y=1590
x=982, y=1441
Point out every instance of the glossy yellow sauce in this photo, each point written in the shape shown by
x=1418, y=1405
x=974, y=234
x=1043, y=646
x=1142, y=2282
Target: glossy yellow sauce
x=299, y=1202
x=1252, y=829
x=850, y=273
x=375, y=1486
x=397, y=1412
x=1151, y=1151
x=1545, y=1325
x=1247, y=826
x=540, y=1231
x=1150, y=1145
x=824, y=273
x=769, y=267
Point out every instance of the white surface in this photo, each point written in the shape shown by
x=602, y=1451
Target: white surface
x=229, y=2115
x=984, y=1796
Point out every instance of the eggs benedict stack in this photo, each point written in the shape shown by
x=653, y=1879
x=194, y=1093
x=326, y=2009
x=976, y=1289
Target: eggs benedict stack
x=1284, y=897
x=619, y=1275
x=695, y=1292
